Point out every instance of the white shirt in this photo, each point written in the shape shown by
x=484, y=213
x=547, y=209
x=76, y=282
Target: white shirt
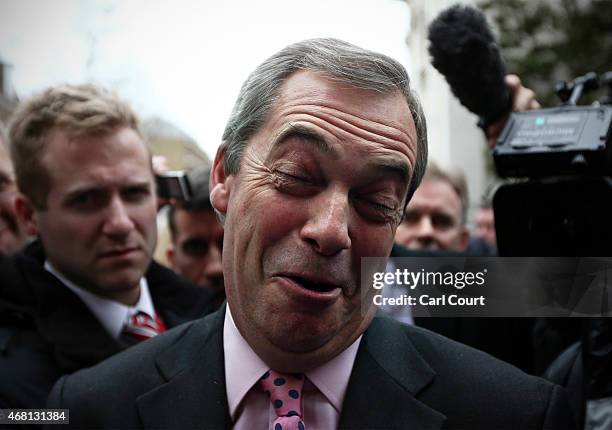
x=323, y=394
x=111, y=314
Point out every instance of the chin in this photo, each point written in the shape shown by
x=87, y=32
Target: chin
x=122, y=282
x=429, y=247
x=299, y=344
x=301, y=334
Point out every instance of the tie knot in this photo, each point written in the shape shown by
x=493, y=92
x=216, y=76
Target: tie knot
x=285, y=393
x=141, y=326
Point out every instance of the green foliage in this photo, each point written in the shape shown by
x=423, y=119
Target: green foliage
x=546, y=41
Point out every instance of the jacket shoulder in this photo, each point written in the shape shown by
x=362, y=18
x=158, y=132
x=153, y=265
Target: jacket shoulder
x=133, y=369
x=477, y=390
x=28, y=369
x=132, y=373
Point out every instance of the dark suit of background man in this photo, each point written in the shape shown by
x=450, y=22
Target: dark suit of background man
x=324, y=148
x=88, y=192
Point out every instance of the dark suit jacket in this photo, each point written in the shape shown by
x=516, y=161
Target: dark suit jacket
x=403, y=378
x=509, y=339
x=46, y=331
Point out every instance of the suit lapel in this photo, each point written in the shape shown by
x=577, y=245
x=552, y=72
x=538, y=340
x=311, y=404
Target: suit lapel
x=195, y=389
x=79, y=340
x=387, y=376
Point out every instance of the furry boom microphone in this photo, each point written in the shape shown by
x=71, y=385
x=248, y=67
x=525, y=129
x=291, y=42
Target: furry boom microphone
x=464, y=50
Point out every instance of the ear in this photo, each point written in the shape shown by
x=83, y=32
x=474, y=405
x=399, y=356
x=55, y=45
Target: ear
x=27, y=214
x=220, y=184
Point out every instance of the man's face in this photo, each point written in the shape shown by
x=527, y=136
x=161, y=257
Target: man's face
x=321, y=185
x=12, y=236
x=433, y=219
x=196, y=250
x=485, y=226
x=99, y=226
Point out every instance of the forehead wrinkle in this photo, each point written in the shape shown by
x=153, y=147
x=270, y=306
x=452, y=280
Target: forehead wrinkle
x=366, y=128
x=303, y=131
x=391, y=137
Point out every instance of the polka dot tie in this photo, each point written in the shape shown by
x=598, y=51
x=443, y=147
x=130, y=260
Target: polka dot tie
x=285, y=393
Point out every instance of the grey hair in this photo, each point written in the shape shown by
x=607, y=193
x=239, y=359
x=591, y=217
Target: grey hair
x=340, y=61
x=457, y=181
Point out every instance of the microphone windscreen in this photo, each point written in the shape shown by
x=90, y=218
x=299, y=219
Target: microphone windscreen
x=463, y=49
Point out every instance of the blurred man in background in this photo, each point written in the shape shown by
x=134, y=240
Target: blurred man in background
x=435, y=217
x=88, y=288
x=197, y=237
x=12, y=234
x=484, y=225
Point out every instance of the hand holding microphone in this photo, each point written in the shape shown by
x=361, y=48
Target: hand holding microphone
x=523, y=99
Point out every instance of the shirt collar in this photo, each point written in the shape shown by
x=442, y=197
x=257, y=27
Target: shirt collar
x=111, y=314
x=332, y=377
x=243, y=368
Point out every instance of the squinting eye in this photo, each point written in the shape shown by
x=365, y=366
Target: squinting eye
x=294, y=184
x=86, y=201
x=411, y=217
x=377, y=212
x=195, y=248
x=82, y=199
x=442, y=222
x=135, y=194
x=382, y=207
x=293, y=177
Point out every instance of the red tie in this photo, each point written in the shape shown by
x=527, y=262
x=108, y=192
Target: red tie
x=141, y=326
x=285, y=392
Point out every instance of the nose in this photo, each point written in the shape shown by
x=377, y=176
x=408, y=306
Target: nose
x=425, y=234
x=118, y=222
x=424, y=228
x=327, y=227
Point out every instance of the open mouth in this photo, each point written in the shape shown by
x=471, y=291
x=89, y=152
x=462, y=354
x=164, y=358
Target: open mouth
x=318, y=287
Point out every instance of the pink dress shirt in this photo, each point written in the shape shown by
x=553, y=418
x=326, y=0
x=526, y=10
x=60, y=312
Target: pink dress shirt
x=250, y=408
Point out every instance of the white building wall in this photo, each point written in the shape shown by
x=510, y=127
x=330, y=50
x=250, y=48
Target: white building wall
x=454, y=138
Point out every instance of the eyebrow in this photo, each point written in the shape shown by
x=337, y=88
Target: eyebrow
x=103, y=188
x=394, y=167
x=299, y=131
x=302, y=132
